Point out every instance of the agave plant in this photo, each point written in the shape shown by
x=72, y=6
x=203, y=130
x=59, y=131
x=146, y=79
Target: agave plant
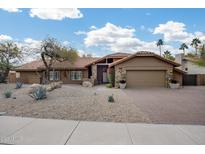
x=7, y=94
x=39, y=93
x=19, y=84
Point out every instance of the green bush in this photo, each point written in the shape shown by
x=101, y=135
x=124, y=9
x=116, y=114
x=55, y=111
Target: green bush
x=109, y=85
x=111, y=99
x=7, y=94
x=39, y=93
x=111, y=78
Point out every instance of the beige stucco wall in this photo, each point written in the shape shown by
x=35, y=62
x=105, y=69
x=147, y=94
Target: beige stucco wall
x=30, y=77
x=178, y=77
x=34, y=77
x=142, y=63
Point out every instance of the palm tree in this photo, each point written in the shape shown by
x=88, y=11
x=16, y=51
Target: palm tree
x=159, y=44
x=195, y=43
x=167, y=54
x=183, y=47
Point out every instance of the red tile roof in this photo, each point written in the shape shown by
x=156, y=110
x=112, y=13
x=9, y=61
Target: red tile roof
x=114, y=55
x=145, y=54
x=39, y=65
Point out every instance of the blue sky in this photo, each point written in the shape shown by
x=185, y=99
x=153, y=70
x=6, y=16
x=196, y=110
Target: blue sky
x=103, y=31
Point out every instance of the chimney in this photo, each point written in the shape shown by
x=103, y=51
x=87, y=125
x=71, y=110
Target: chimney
x=179, y=58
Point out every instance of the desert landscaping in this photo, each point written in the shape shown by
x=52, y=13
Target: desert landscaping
x=72, y=102
x=75, y=102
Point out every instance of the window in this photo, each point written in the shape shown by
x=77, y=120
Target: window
x=76, y=75
x=54, y=75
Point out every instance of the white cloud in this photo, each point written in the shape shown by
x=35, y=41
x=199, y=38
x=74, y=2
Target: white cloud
x=93, y=27
x=174, y=31
x=66, y=43
x=56, y=14
x=118, y=39
x=150, y=30
x=34, y=44
x=5, y=37
x=200, y=35
x=109, y=35
x=12, y=10
x=80, y=33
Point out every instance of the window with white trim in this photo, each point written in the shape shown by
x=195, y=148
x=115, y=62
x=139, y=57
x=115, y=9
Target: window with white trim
x=54, y=75
x=76, y=75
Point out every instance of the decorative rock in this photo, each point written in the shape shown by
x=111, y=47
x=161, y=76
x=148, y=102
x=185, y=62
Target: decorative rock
x=49, y=88
x=87, y=84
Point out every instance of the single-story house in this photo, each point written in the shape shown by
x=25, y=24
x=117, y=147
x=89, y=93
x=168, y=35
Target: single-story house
x=139, y=69
x=34, y=72
x=195, y=74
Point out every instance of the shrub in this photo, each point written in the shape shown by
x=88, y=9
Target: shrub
x=19, y=84
x=122, y=81
x=39, y=93
x=111, y=99
x=2, y=79
x=111, y=78
x=7, y=94
x=109, y=85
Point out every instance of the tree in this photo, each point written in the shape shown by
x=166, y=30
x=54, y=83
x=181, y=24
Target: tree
x=160, y=43
x=183, y=47
x=195, y=43
x=51, y=51
x=167, y=54
x=10, y=54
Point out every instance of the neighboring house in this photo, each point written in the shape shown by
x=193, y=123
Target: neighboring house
x=195, y=74
x=139, y=70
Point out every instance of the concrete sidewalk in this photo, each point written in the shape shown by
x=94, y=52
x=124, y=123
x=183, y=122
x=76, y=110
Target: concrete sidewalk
x=17, y=130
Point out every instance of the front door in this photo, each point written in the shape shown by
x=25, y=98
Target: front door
x=102, y=74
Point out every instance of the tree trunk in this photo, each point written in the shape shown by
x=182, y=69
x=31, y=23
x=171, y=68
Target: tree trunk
x=160, y=50
x=47, y=68
x=196, y=50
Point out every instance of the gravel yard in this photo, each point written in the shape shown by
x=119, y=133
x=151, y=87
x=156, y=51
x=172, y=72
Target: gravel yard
x=73, y=102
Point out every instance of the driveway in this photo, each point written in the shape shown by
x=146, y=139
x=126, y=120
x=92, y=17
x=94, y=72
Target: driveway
x=180, y=106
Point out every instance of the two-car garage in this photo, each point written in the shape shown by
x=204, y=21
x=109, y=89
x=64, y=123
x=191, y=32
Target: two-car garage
x=145, y=78
x=144, y=69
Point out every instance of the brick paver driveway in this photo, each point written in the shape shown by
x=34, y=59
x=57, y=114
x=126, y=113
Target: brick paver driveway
x=180, y=106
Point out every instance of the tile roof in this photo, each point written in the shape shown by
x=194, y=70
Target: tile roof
x=113, y=55
x=39, y=65
x=145, y=54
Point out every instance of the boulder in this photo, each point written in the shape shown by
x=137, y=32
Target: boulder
x=48, y=88
x=33, y=86
x=87, y=84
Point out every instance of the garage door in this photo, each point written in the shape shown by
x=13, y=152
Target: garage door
x=145, y=79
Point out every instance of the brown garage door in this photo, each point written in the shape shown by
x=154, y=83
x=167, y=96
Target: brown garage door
x=145, y=79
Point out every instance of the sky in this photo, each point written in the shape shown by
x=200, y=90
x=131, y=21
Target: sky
x=103, y=31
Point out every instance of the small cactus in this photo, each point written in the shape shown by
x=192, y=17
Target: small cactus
x=111, y=99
